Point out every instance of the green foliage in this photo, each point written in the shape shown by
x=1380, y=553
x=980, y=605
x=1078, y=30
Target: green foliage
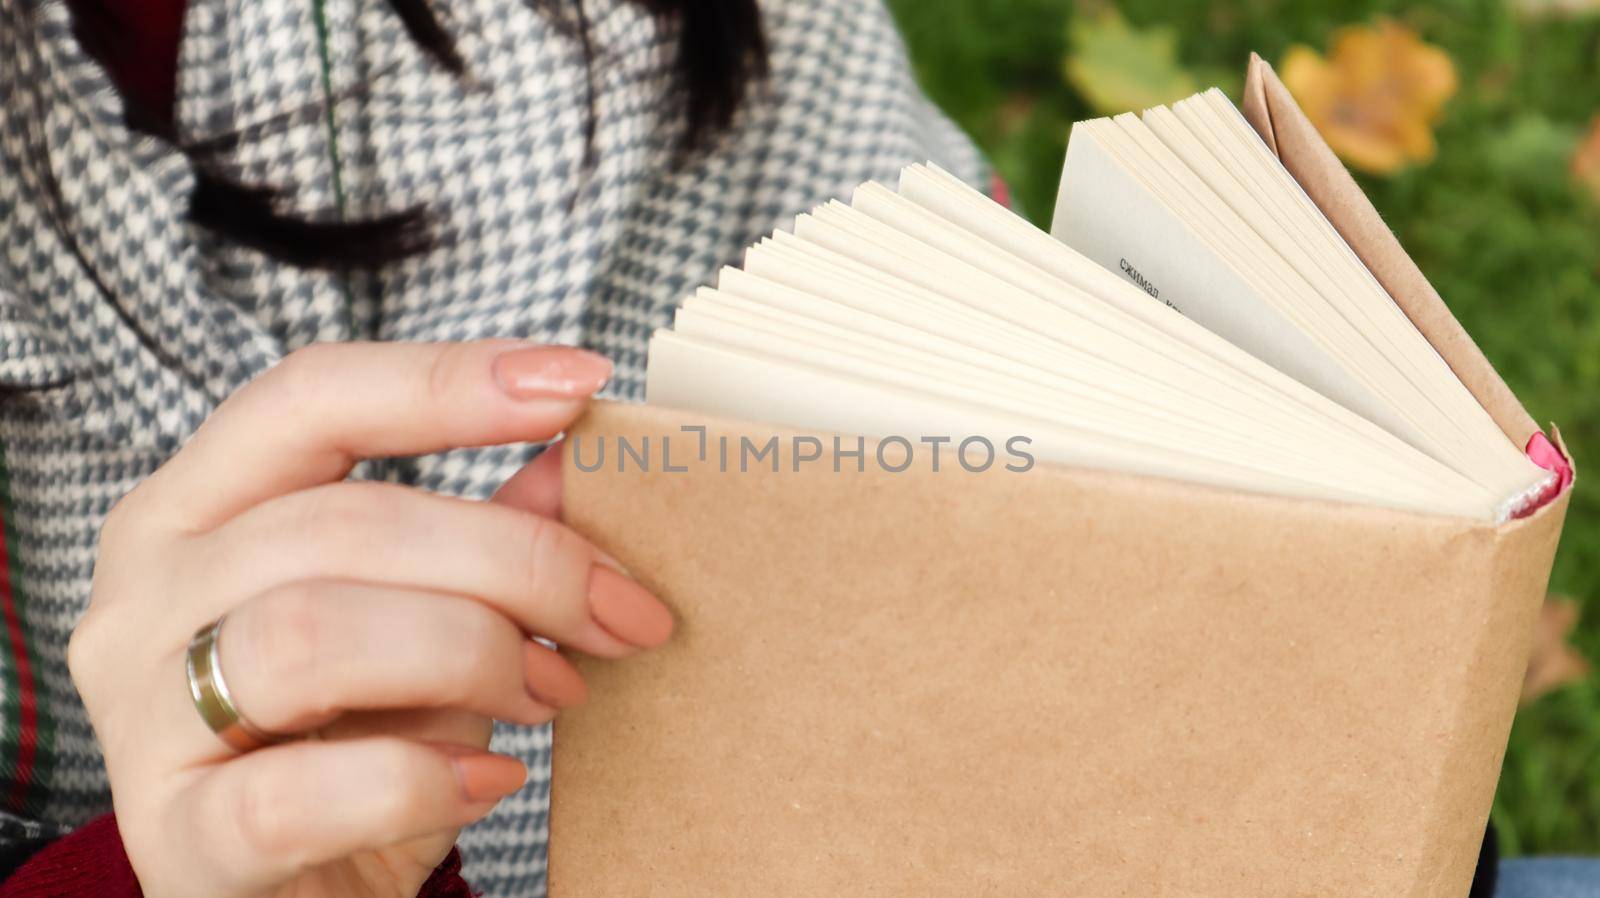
x=1496, y=221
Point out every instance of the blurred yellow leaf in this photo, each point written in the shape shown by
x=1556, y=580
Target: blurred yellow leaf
x=1119, y=68
x=1554, y=662
x=1586, y=160
x=1376, y=96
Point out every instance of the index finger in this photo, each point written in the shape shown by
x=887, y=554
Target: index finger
x=312, y=417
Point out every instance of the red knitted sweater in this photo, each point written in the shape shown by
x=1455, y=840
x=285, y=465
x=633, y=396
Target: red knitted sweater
x=91, y=862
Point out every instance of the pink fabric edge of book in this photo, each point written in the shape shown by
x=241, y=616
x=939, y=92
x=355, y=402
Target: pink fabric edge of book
x=1542, y=452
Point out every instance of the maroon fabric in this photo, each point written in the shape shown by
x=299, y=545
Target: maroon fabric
x=90, y=863
x=137, y=42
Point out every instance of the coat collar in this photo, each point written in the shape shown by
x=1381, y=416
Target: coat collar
x=107, y=315
x=124, y=317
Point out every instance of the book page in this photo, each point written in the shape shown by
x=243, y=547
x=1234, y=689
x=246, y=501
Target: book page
x=1114, y=220
x=932, y=312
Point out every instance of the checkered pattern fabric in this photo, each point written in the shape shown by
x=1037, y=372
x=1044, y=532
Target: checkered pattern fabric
x=122, y=327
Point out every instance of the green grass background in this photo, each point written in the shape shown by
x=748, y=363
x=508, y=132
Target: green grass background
x=1496, y=221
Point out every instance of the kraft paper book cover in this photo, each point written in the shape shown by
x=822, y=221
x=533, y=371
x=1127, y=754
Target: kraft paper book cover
x=1190, y=549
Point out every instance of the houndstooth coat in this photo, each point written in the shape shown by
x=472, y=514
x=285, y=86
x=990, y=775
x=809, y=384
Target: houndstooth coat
x=122, y=327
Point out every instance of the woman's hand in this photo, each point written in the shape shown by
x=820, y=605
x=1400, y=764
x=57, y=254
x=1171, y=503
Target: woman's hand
x=380, y=628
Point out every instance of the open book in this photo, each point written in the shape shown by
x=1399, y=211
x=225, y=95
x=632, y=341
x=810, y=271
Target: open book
x=1193, y=316
x=1187, y=680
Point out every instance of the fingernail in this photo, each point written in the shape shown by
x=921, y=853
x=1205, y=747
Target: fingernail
x=550, y=679
x=627, y=610
x=551, y=372
x=488, y=777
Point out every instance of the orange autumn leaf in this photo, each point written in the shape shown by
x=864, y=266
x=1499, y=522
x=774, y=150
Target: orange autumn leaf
x=1554, y=663
x=1586, y=160
x=1376, y=96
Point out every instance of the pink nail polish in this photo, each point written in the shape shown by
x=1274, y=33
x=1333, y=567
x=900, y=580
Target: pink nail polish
x=550, y=679
x=627, y=610
x=488, y=777
x=551, y=372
